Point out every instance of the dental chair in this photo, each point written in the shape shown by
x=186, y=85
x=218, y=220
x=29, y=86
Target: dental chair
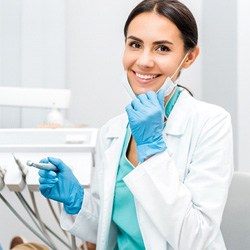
x=236, y=218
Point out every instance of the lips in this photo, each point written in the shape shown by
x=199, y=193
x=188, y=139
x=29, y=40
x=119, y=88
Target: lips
x=145, y=77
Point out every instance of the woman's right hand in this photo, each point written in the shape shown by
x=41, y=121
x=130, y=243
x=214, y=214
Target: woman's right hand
x=61, y=186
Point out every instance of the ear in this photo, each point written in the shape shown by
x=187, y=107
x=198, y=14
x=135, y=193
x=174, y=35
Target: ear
x=192, y=55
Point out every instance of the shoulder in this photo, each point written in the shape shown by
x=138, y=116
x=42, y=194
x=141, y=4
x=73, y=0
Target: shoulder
x=190, y=114
x=205, y=111
x=209, y=120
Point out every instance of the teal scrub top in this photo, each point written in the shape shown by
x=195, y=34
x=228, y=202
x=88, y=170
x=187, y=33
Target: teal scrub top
x=124, y=211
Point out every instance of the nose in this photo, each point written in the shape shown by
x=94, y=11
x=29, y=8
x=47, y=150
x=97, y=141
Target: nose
x=145, y=59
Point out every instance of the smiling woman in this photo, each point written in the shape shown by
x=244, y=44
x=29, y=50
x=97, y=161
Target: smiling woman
x=163, y=168
x=154, y=50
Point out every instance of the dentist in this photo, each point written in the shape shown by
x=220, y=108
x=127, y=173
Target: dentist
x=163, y=168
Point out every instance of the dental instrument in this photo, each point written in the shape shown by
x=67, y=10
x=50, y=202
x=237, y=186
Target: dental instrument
x=22, y=168
x=45, y=166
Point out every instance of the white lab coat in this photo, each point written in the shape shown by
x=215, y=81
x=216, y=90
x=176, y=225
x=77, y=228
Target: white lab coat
x=180, y=193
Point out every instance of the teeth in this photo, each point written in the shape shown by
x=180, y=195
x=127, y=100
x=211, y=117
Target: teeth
x=145, y=77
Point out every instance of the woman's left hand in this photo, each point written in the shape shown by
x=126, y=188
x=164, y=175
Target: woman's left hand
x=146, y=120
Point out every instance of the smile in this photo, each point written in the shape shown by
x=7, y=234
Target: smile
x=145, y=77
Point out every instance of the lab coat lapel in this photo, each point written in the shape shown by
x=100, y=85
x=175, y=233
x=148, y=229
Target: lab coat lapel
x=179, y=116
x=116, y=135
x=112, y=156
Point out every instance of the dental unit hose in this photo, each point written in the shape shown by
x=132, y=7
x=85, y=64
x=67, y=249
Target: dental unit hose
x=21, y=219
x=26, y=205
x=2, y=173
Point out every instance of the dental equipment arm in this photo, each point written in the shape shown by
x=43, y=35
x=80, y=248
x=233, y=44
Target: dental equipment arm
x=42, y=228
x=30, y=211
x=23, y=202
x=24, y=170
x=22, y=220
x=61, y=186
x=39, y=219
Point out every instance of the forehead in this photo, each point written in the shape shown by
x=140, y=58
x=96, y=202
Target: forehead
x=152, y=26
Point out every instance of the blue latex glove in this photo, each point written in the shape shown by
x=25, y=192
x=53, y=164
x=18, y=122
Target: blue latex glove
x=61, y=186
x=146, y=120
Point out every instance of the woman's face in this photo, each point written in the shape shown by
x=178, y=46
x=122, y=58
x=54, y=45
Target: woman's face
x=153, y=51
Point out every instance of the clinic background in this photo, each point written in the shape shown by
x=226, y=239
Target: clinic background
x=78, y=44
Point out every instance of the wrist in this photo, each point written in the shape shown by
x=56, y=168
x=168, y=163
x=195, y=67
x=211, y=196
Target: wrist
x=147, y=150
x=75, y=205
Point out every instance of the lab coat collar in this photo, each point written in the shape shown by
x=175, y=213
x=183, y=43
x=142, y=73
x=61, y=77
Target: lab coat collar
x=179, y=116
x=118, y=127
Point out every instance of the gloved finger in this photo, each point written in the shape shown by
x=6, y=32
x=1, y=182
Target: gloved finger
x=143, y=98
x=161, y=97
x=136, y=104
x=44, y=160
x=129, y=109
x=58, y=163
x=46, y=189
x=47, y=181
x=152, y=96
x=47, y=174
x=132, y=114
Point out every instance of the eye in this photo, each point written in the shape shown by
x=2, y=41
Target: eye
x=163, y=48
x=135, y=45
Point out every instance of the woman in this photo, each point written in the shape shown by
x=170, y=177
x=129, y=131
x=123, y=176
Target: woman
x=163, y=168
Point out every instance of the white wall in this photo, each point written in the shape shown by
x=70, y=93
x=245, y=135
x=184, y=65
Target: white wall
x=94, y=50
x=243, y=83
x=10, y=56
x=32, y=54
x=219, y=61
x=32, y=49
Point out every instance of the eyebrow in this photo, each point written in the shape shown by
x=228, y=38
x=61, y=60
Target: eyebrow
x=156, y=42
